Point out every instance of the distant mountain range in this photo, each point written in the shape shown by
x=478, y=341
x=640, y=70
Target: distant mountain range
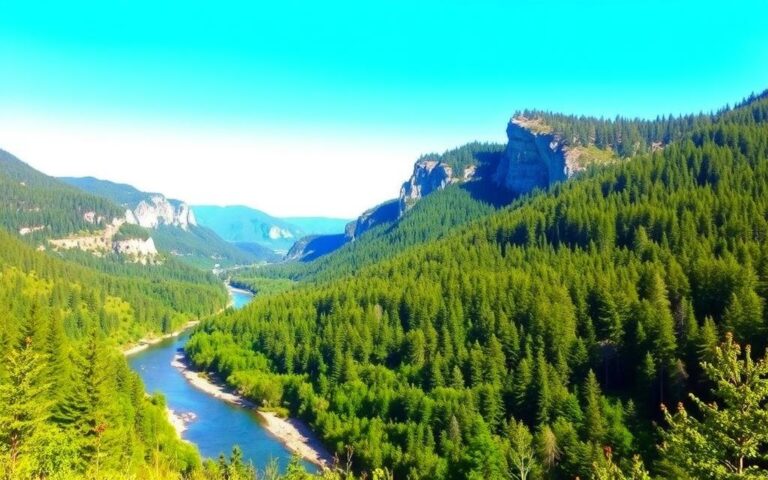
x=173, y=224
x=246, y=225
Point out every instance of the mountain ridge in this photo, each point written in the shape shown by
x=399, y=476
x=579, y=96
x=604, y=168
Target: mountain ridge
x=173, y=225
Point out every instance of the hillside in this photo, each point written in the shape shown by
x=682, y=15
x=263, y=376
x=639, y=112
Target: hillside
x=552, y=329
x=61, y=378
x=39, y=207
x=174, y=225
x=543, y=148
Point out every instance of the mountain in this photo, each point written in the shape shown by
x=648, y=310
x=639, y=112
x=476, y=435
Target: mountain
x=542, y=148
x=391, y=226
x=38, y=207
x=173, y=224
x=318, y=225
x=50, y=214
x=72, y=293
x=244, y=224
x=548, y=332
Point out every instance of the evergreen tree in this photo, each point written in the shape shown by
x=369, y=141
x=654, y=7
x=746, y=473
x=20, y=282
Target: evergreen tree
x=730, y=438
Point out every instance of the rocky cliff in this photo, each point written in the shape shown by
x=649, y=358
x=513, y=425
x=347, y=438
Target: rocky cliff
x=386, y=212
x=141, y=250
x=158, y=211
x=534, y=157
x=428, y=176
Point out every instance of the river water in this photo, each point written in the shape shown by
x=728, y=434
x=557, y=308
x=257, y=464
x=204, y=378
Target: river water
x=217, y=425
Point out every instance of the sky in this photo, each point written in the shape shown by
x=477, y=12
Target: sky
x=321, y=108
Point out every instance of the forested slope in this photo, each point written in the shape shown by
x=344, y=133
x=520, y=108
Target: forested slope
x=576, y=311
x=45, y=206
x=69, y=404
x=430, y=219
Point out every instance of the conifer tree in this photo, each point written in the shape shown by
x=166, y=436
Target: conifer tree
x=729, y=437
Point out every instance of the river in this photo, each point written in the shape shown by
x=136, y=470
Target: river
x=217, y=425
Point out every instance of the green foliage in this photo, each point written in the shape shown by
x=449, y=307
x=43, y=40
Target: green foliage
x=431, y=218
x=128, y=231
x=29, y=199
x=201, y=247
x=153, y=298
x=729, y=438
x=629, y=136
x=263, y=285
x=69, y=405
x=574, y=311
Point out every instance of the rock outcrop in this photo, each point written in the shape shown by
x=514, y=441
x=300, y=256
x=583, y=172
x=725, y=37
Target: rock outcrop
x=159, y=211
x=276, y=233
x=428, y=176
x=138, y=250
x=311, y=247
x=534, y=158
x=386, y=212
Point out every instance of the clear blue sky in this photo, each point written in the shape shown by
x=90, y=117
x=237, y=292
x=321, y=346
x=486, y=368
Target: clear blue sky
x=378, y=82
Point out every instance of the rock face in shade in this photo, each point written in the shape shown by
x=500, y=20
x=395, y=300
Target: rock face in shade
x=384, y=213
x=533, y=159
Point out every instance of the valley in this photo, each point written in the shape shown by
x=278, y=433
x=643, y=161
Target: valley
x=384, y=241
x=530, y=294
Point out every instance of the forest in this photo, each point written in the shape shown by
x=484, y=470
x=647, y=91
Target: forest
x=579, y=332
x=29, y=199
x=611, y=327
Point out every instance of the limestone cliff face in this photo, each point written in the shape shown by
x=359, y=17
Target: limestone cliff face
x=159, y=211
x=276, y=233
x=428, y=176
x=137, y=249
x=103, y=242
x=533, y=158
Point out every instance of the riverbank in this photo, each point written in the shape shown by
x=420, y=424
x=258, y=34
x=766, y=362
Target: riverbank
x=176, y=420
x=146, y=342
x=292, y=433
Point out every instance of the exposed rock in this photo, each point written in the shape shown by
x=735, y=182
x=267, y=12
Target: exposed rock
x=428, y=176
x=100, y=243
x=311, y=247
x=534, y=157
x=276, y=233
x=131, y=218
x=386, y=212
x=159, y=211
x=139, y=250
x=27, y=230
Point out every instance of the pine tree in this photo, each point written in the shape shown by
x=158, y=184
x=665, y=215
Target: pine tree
x=594, y=421
x=24, y=408
x=730, y=438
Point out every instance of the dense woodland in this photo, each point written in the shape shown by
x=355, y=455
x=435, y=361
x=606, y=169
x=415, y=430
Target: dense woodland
x=30, y=199
x=541, y=340
x=69, y=405
x=612, y=327
x=630, y=136
x=433, y=217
